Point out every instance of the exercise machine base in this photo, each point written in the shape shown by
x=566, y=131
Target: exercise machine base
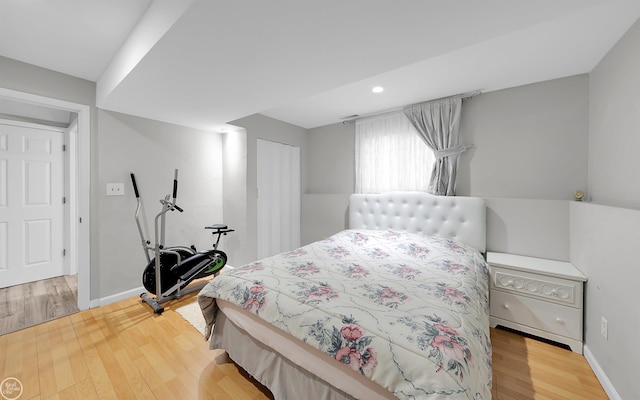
x=156, y=302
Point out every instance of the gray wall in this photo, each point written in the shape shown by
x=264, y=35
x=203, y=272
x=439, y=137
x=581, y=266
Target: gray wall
x=330, y=160
x=261, y=127
x=605, y=234
x=529, y=156
x=604, y=246
x=330, y=180
x=530, y=142
x=234, y=183
x=151, y=150
x=28, y=78
x=614, y=119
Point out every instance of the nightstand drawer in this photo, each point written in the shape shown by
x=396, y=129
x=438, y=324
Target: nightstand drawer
x=548, y=288
x=539, y=314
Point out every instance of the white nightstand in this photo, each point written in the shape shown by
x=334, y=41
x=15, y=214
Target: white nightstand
x=537, y=296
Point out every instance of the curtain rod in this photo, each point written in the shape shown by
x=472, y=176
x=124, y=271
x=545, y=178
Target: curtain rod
x=356, y=117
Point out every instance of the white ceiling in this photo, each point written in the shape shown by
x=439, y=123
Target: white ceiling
x=205, y=63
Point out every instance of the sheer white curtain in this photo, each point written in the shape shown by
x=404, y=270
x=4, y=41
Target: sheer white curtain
x=390, y=155
x=278, y=201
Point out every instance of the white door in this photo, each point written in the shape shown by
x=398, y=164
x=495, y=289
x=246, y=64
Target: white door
x=278, y=198
x=31, y=204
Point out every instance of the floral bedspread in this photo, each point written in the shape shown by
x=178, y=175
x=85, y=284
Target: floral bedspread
x=406, y=310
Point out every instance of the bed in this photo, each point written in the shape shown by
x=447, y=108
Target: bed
x=396, y=306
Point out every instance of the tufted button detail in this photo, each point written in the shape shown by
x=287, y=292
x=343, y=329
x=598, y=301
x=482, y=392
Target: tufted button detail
x=423, y=213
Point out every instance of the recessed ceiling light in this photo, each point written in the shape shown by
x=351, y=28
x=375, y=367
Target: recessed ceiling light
x=377, y=89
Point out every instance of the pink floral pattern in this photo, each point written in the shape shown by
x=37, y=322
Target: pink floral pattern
x=296, y=253
x=337, y=252
x=253, y=299
x=380, y=302
x=392, y=235
x=354, y=271
x=357, y=238
x=454, y=268
x=451, y=295
x=454, y=246
x=403, y=271
x=385, y=295
x=302, y=270
x=377, y=253
x=416, y=251
x=311, y=293
x=349, y=344
x=249, y=268
x=444, y=345
x=353, y=350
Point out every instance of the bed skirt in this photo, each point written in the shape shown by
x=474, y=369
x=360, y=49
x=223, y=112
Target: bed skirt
x=286, y=379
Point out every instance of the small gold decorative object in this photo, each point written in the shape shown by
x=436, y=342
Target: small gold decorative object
x=578, y=195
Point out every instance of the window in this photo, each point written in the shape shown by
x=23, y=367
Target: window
x=390, y=155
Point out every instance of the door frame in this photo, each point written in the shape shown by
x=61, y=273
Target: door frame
x=78, y=240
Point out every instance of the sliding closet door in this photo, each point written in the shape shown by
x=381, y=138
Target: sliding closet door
x=278, y=198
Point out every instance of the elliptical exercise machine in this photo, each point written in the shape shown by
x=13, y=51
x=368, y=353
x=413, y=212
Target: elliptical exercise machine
x=172, y=269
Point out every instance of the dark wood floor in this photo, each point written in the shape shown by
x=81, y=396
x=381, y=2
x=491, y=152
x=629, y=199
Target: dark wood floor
x=26, y=305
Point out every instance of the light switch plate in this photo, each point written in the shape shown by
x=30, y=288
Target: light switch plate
x=115, y=189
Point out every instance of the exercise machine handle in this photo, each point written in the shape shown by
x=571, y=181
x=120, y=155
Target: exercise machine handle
x=175, y=191
x=145, y=242
x=135, y=186
x=175, y=186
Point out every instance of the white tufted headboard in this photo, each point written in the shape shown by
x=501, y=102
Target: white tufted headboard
x=456, y=217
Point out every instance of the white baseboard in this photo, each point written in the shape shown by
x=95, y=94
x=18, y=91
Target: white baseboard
x=123, y=295
x=117, y=297
x=602, y=377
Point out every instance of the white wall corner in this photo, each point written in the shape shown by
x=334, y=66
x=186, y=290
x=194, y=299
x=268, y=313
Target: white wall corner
x=600, y=374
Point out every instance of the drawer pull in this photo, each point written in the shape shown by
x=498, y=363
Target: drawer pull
x=559, y=320
x=506, y=306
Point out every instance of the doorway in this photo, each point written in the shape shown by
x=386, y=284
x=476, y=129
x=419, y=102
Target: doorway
x=77, y=188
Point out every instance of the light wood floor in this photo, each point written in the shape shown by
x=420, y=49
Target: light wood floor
x=525, y=368
x=124, y=351
x=36, y=302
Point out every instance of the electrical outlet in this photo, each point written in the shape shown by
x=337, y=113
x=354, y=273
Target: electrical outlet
x=115, y=189
x=604, y=328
